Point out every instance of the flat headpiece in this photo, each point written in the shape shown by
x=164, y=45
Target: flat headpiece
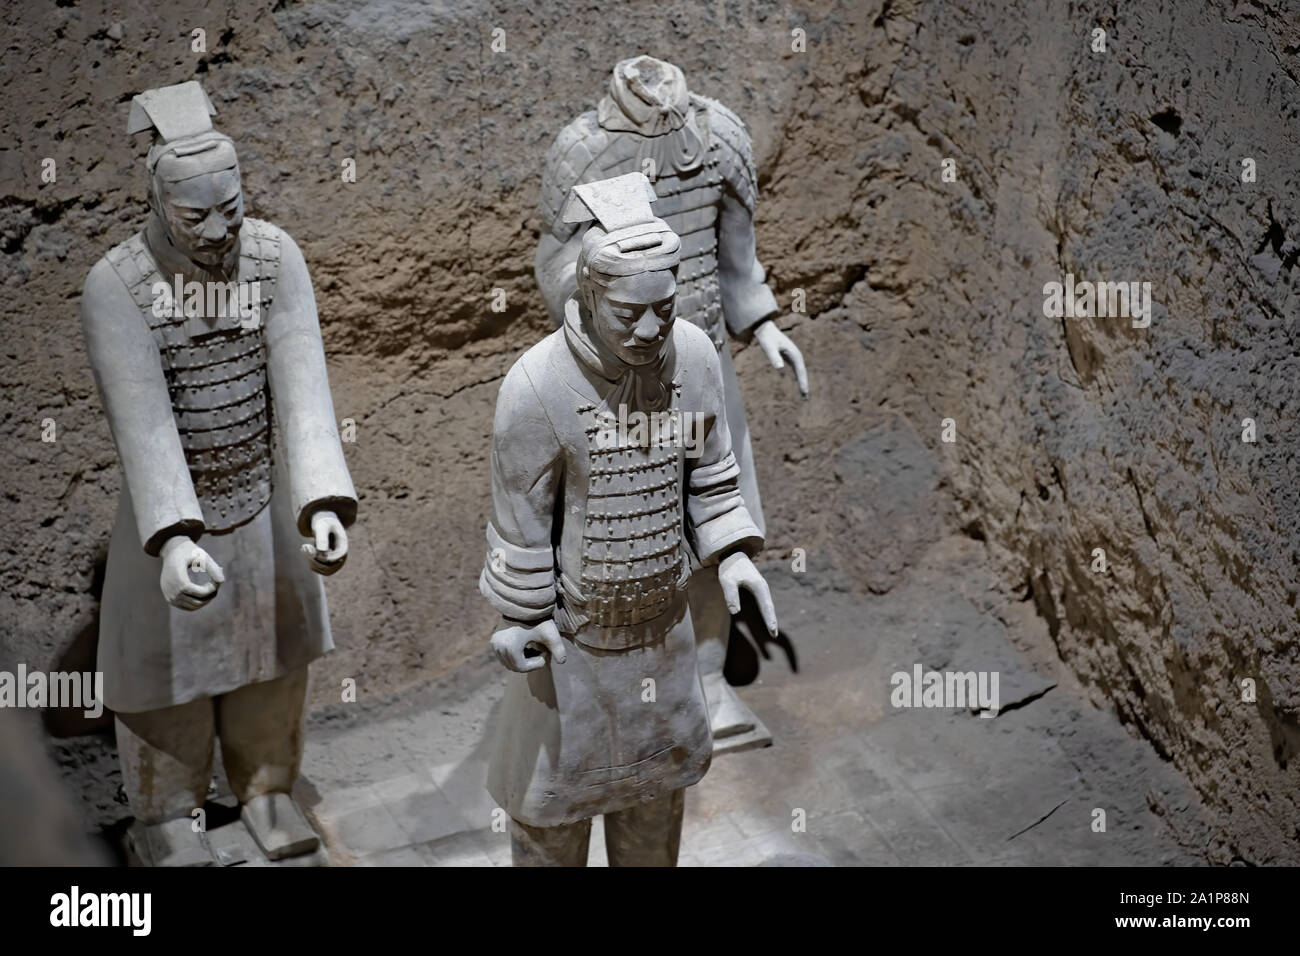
x=626, y=238
x=180, y=117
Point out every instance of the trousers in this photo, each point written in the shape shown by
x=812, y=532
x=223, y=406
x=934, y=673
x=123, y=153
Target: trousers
x=645, y=835
x=166, y=754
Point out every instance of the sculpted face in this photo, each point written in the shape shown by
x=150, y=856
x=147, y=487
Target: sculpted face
x=203, y=214
x=633, y=315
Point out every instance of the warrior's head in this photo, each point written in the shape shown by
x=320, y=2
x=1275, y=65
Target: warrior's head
x=627, y=267
x=194, y=185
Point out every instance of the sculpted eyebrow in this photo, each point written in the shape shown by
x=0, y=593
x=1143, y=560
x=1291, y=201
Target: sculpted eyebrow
x=658, y=303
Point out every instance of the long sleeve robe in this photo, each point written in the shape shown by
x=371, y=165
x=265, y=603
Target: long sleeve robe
x=580, y=738
x=270, y=615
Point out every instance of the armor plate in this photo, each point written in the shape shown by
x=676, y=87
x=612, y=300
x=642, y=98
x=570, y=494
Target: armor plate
x=632, y=557
x=217, y=383
x=688, y=199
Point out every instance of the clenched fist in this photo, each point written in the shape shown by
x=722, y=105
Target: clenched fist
x=331, y=548
x=510, y=644
x=180, y=556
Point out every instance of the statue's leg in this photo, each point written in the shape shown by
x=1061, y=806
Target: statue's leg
x=646, y=835
x=564, y=845
x=261, y=730
x=166, y=760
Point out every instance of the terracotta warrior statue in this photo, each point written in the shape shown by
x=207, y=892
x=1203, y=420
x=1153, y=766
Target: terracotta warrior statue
x=203, y=336
x=698, y=155
x=613, y=479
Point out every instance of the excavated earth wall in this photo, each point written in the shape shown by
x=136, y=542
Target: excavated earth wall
x=922, y=300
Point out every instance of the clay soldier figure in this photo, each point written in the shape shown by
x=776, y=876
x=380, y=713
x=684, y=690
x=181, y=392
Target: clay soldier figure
x=612, y=479
x=213, y=605
x=698, y=155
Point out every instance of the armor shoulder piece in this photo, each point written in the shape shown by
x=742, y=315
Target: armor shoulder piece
x=263, y=249
x=263, y=229
x=135, y=267
x=568, y=163
x=266, y=238
x=737, y=149
x=125, y=252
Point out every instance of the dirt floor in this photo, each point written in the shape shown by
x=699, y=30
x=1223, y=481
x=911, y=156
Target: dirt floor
x=849, y=780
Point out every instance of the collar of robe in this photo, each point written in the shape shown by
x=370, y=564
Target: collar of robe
x=673, y=133
x=677, y=143
x=639, y=388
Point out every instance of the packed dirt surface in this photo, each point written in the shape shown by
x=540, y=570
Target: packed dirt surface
x=849, y=779
x=915, y=300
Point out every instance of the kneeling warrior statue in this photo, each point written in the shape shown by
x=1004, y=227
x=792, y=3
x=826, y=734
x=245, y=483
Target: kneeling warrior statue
x=192, y=390
x=596, y=529
x=699, y=157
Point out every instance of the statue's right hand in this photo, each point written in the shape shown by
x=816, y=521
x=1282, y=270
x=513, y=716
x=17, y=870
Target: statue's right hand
x=180, y=556
x=510, y=645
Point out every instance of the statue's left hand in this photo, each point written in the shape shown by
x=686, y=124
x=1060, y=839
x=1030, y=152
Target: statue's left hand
x=331, y=548
x=778, y=347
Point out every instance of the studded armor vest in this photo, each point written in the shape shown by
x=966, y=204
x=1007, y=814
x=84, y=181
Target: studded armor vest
x=217, y=381
x=688, y=201
x=632, y=549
